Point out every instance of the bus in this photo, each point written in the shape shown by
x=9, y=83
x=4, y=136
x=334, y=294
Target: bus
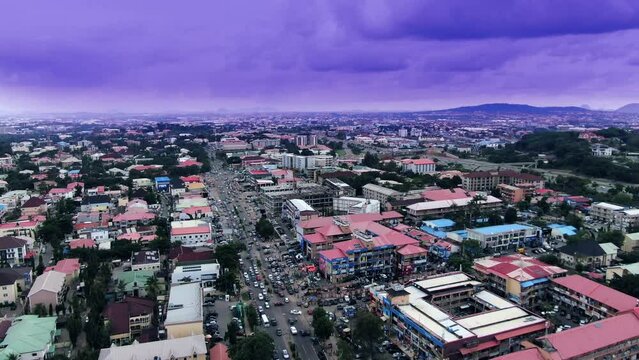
x=265, y=321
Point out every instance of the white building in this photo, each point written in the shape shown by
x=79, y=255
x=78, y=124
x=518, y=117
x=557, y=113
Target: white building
x=191, y=233
x=300, y=162
x=603, y=211
x=419, y=166
x=298, y=210
x=184, y=311
x=503, y=237
x=354, y=205
x=204, y=274
x=190, y=347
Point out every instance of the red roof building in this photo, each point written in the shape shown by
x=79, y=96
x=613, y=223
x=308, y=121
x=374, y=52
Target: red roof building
x=219, y=352
x=592, y=298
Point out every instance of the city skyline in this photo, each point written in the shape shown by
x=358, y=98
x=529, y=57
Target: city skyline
x=316, y=56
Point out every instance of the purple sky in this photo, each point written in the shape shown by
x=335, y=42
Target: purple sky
x=316, y=55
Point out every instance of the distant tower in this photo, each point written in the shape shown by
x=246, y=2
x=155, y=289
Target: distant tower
x=312, y=140
x=301, y=140
x=403, y=132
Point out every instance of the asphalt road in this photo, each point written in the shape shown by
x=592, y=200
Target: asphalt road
x=237, y=211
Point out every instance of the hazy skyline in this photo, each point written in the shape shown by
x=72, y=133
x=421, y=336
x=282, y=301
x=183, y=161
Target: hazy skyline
x=316, y=55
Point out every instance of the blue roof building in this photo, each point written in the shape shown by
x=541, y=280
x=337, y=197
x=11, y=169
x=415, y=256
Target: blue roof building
x=500, y=238
x=437, y=227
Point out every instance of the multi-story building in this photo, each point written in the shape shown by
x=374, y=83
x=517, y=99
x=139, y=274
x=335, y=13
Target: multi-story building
x=603, y=211
x=514, y=194
x=204, y=274
x=439, y=208
x=317, y=196
x=128, y=318
x=589, y=299
x=295, y=210
x=379, y=193
x=48, y=289
x=488, y=180
x=20, y=228
x=146, y=260
x=231, y=144
x=450, y=316
x=418, y=166
x=500, y=238
x=304, y=163
x=321, y=233
x=351, y=205
x=12, y=250
x=191, y=232
x=260, y=144
x=588, y=253
x=519, y=278
x=306, y=140
x=96, y=203
x=338, y=187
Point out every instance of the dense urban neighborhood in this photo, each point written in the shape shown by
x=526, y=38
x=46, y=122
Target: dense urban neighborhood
x=304, y=236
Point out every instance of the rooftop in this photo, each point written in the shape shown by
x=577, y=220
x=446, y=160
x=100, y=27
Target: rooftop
x=490, y=230
x=599, y=292
x=28, y=334
x=51, y=281
x=518, y=267
x=579, y=341
x=178, y=348
x=185, y=304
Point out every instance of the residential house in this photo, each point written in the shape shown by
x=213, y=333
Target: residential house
x=145, y=260
x=128, y=318
x=588, y=253
x=96, y=203
x=30, y=337
x=69, y=267
x=12, y=250
x=48, y=289
x=34, y=206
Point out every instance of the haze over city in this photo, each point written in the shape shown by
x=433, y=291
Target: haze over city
x=156, y=56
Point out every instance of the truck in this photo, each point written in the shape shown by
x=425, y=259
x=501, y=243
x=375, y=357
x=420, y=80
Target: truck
x=265, y=321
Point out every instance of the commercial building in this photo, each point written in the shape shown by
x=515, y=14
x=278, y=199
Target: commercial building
x=303, y=162
x=184, y=311
x=440, y=208
x=352, y=205
x=317, y=196
x=189, y=347
x=590, y=299
x=488, y=180
x=30, y=337
x=519, y=278
x=231, y=144
x=379, y=193
x=295, y=210
x=203, y=274
x=48, y=289
x=321, y=233
x=191, y=233
x=500, y=238
x=450, y=316
x=612, y=338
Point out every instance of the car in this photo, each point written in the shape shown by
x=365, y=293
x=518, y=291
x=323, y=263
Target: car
x=278, y=332
x=266, y=305
x=260, y=296
x=286, y=300
x=278, y=303
x=285, y=354
x=293, y=330
x=305, y=333
x=260, y=309
x=295, y=312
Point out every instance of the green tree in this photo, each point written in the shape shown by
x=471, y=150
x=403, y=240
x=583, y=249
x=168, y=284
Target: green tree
x=615, y=236
x=344, y=350
x=226, y=256
x=152, y=288
x=550, y=259
x=510, y=216
x=231, y=332
x=370, y=160
x=628, y=284
x=368, y=332
x=74, y=325
x=251, y=316
x=226, y=282
x=264, y=228
x=258, y=346
x=40, y=310
x=322, y=324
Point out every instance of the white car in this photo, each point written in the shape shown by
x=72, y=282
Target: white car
x=293, y=330
x=286, y=300
x=296, y=312
x=260, y=309
x=267, y=305
x=260, y=296
x=285, y=354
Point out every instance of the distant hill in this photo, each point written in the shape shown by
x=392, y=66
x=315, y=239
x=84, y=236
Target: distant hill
x=517, y=108
x=629, y=109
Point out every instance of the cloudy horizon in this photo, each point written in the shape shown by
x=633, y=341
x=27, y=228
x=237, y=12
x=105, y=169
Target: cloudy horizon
x=377, y=55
